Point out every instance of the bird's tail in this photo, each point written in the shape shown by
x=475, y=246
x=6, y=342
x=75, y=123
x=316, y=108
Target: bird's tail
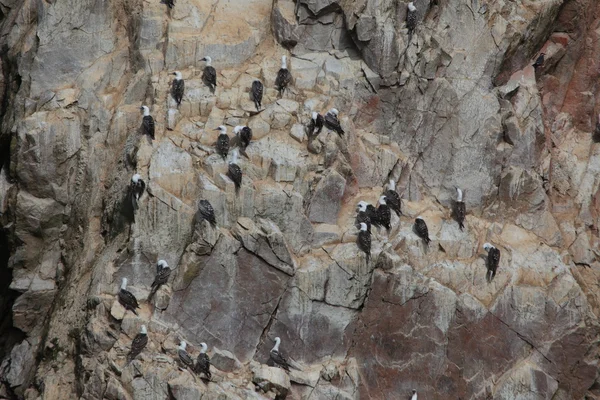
x=153, y=291
x=461, y=225
x=257, y=104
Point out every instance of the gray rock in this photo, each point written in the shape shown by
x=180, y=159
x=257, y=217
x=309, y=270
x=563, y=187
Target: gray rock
x=326, y=201
x=270, y=378
x=224, y=360
x=21, y=364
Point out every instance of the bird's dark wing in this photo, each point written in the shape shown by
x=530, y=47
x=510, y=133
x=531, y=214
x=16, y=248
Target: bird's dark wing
x=283, y=79
x=411, y=21
x=148, y=125
x=422, y=231
x=319, y=124
x=178, y=89
x=333, y=123
x=363, y=217
x=137, y=345
x=161, y=278
x=246, y=136
x=203, y=365
x=460, y=212
x=128, y=300
x=207, y=212
x=372, y=213
x=393, y=200
x=223, y=146
x=310, y=128
x=235, y=174
x=364, y=243
x=494, y=257
x=384, y=216
x=185, y=358
x=280, y=360
x=210, y=76
x=257, y=93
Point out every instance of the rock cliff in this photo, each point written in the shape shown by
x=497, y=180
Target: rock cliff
x=458, y=103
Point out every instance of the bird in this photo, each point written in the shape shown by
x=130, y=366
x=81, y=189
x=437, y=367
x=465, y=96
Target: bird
x=421, y=229
x=363, y=216
x=222, y=142
x=596, y=136
x=257, y=93
x=277, y=357
x=136, y=190
x=184, y=357
x=284, y=77
x=411, y=18
x=493, y=259
x=234, y=172
x=364, y=240
x=384, y=215
x=207, y=212
x=539, y=61
x=147, y=122
x=393, y=198
x=414, y=395
x=332, y=122
x=203, y=362
x=315, y=125
x=138, y=344
x=178, y=87
x=459, y=209
x=163, y=272
x=245, y=135
x=127, y=299
x=209, y=76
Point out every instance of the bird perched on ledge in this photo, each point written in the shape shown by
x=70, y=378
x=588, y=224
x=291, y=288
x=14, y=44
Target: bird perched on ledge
x=493, y=260
x=539, y=61
x=460, y=209
x=284, y=77
x=421, y=230
x=364, y=240
x=127, y=299
x=138, y=344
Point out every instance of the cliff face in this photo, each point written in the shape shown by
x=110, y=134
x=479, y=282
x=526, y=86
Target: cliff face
x=457, y=104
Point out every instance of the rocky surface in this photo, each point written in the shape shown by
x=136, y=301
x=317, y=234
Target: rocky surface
x=456, y=104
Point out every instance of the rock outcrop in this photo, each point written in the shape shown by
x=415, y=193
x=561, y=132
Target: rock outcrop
x=458, y=103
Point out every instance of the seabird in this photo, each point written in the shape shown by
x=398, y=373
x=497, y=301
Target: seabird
x=332, y=122
x=137, y=345
x=493, y=259
x=245, y=135
x=364, y=215
x=393, y=198
x=539, y=61
x=414, y=396
x=596, y=136
x=284, y=77
x=277, y=357
x=147, y=122
x=257, y=93
x=203, y=362
x=184, y=356
x=209, y=76
x=369, y=211
x=127, y=299
x=234, y=172
x=459, y=209
x=384, y=215
x=421, y=230
x=207, y=212
x=178, y=87
x=411, y=18
x=222, y=142
x=364, y=240
x=315, y=126
x=136, y=190
x=163, y=272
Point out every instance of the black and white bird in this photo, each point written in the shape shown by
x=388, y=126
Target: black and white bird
x=421, y=230
x=411, y=18
x=364, y=240
x=332, y=122
x=234, y=172
x=459, y=209
x=315, y=126
x=147, y=122
x=284, y=76
x=368, y=214
x=278, y=357
x=136, y=190
x=138, y=344
x=414, y=395
x=384, y=215
x=222, y=142
x=244, y=133
x=539, y=61
x=257, y=94
x=178, y=87
x=127, y=299
x=184, y=357
x=209, y=76
x=163, y=272
x=393, y=198
x=596, y=136
x=207, y=212
x=203, y=362
x=493, y=260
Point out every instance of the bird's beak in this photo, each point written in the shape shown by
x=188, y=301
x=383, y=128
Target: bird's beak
x=217, y=129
